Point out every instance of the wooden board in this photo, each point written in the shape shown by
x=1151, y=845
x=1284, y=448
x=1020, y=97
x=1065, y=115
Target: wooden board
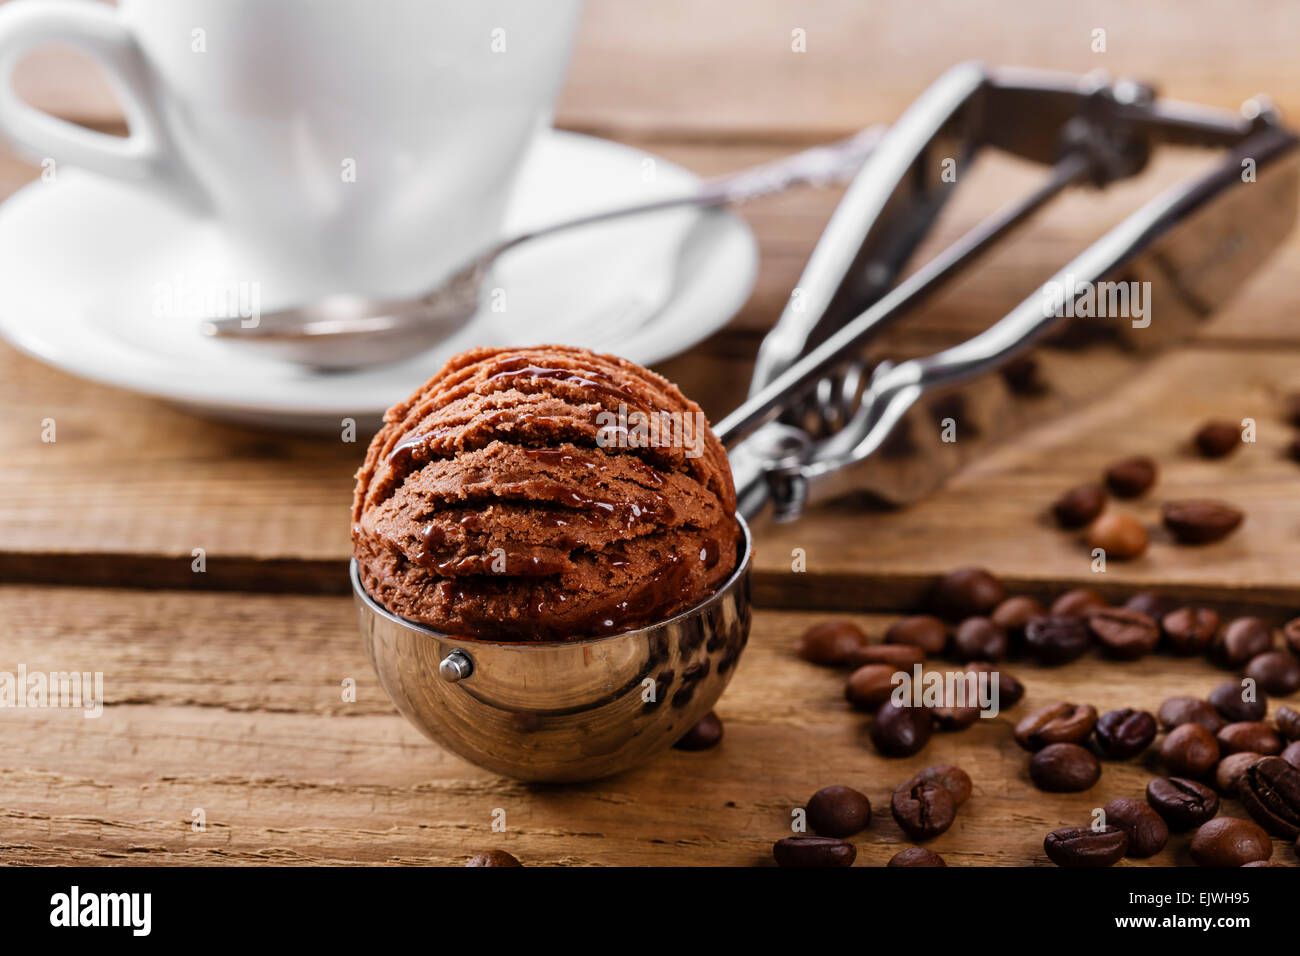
x=230, y=701
x=232, y=704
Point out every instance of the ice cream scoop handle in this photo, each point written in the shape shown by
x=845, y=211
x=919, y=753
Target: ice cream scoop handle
x=825, y=165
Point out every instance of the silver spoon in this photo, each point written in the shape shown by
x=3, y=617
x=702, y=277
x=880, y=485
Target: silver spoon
x=350, y=331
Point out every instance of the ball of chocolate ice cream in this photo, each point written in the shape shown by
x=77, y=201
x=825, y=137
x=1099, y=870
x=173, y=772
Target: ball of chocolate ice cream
x=544, y=493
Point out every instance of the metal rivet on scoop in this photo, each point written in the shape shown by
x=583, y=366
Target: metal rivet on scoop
x=456, y=666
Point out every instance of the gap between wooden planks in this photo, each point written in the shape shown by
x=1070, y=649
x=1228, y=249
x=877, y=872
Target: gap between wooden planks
x=231, y=703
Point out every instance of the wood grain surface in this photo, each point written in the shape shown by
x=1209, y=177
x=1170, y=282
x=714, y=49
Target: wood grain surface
x=728, y=69
x=232, y=704
x=229, y=701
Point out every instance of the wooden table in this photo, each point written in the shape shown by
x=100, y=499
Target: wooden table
x=225, y=689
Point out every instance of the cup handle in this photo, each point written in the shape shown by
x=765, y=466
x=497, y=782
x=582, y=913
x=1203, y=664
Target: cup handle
x=144, y=154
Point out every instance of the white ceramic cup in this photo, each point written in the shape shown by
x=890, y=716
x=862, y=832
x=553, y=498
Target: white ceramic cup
x=353, y=145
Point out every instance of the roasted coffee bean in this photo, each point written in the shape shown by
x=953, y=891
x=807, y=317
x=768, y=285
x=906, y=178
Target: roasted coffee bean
x=1291, y=632
x=870, y=686
x=1291, y=753
x=1236, y=702
x=706, y=733
x=1077, y=603
x=1189, y=630
x=1010, y=690
x=1243, y=639
x=1189, y=751
x=492, y=858
x=916, y=856
x=1013, y=614
x=1230, y=769
x=966, y=592
x=1270, y=791
x=1189, y=710
x=979, y=639
x=1057, y=640
x=1291, y=408
x=1183, y=803
x=923, y=809
x=1079, y=506
x=1084, y=846
x=1122, y=537
x=921, y=630
x=1227, y=841
x=901, y=731
x=1148, y=603
x=830, y=642
x=838, y=811
x=1124, y=733
x=899, y=656
x=1249, y=735
x=1278, y=672
x=1217, y=439
x=1200, y=520
x=1131, y=477
x=1064, y=768
x=954, y=778
x=1022, y=376
x=1288, y=722
x=954, y=718
x=1056, y=724
x=805, y=851
x=1146, y=830
x=1123, y=634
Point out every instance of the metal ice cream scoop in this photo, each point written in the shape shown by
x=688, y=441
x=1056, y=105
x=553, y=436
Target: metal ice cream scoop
x=817, y=425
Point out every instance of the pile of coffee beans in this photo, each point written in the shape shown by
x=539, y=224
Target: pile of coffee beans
x=923, y=807
x=1224, y=741
x=1190, y=521
x=1204, y=739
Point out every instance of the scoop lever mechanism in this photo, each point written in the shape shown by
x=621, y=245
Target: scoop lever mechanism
x=818, y=426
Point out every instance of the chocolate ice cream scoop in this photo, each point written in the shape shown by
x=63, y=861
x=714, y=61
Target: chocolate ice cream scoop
x=543, y=493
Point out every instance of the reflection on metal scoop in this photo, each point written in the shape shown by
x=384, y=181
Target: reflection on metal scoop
x=562, y=710
x=348, y=331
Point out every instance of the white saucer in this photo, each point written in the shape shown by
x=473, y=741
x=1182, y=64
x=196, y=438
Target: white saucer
x=84, y=261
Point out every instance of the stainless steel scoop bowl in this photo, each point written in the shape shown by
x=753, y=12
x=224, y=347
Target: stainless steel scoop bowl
x=562, y=711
